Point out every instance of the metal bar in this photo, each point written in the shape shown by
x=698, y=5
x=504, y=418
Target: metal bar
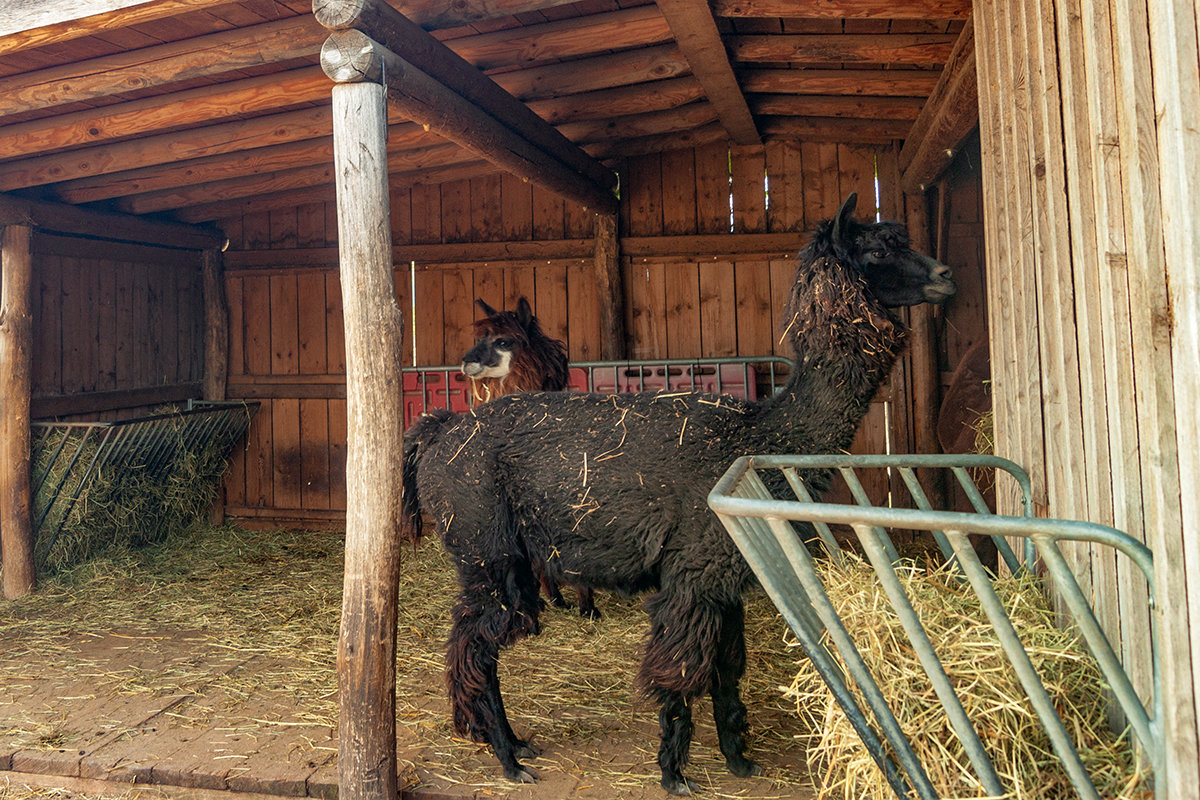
x=801, y=490
x=1026, y=673
x=860, y=496
x=795, y=607
x=78, y=489
x=873, y=545
x=922, y=500
x=801, y=562
x=980, y=505
x=1097, y=642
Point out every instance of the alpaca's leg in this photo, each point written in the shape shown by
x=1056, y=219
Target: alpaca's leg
x=549, y=586
x=587, y=603
x=676, y=669
x=473, y=683
x=729, y=713
x=675, y=723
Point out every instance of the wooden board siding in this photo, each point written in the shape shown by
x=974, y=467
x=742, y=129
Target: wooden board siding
x=118, y=328
x=1089, y=121
x=285, y=304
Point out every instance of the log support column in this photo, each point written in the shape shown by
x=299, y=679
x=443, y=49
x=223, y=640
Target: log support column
x=16, y=388
x=611, y=290
x=373, y=322
x=923, y=350
x=216, y=349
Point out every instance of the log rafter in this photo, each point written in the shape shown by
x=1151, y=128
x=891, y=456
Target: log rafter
x=695, y=30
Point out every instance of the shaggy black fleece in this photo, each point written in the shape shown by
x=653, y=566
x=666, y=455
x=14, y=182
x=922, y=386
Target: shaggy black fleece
x=610, y=492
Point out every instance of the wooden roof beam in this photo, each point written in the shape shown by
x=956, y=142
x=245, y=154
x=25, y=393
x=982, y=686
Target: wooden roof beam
x=60, y=218
x=949, y=116
x=696, y=33
x=200, y=56
x=434, y=86
x=844, y=9
x=639, y=65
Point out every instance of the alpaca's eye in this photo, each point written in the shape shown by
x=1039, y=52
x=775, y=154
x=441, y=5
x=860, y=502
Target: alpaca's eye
x=880, y=254
x=504, y=344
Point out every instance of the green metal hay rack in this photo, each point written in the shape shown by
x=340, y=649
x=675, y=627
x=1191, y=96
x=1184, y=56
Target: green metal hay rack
x=761, y=523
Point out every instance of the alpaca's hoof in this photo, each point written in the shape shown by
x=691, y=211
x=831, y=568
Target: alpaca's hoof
x=590, y=612
x=521, y=775
x=681, y=787
x=744, y=768
x=526, y=750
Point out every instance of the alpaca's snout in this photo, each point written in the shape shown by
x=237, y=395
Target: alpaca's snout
x=941, y=286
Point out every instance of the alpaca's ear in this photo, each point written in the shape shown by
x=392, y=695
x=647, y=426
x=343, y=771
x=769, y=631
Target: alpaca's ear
x=485, y=308
x=524, y=312
x=844, y=214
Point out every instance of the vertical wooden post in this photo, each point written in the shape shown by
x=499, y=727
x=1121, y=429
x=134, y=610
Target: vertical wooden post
x=16, y=387
x=922, y=347
x=374, y=329
x=216, y=348
x=216, y=326
x=611, y=292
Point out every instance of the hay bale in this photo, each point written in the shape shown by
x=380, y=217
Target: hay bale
x=984, y=680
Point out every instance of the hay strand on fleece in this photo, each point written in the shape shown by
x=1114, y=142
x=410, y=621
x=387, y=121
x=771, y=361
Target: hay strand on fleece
x=984, y=680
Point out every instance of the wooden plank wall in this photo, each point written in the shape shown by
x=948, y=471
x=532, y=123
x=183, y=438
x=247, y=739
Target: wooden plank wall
x=286, y=346
x=118, y=328
x=1091, y=130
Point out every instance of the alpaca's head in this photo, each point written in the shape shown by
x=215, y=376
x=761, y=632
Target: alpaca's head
x=896, y=274
x=510, y=348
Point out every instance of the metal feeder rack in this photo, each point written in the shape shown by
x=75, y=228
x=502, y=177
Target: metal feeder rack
x=762, y=526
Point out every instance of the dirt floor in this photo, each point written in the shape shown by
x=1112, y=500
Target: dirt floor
x=206, y=666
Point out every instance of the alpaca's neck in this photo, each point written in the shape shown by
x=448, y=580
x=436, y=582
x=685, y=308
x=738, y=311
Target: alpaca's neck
x=844, y=345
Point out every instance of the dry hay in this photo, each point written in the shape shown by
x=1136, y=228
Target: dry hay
x=984, y=680
x=274, y=599
x=122, y=504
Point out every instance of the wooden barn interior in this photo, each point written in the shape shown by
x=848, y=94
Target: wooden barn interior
x=643, y=172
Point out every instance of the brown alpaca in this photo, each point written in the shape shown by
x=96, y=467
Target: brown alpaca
x=512, y=354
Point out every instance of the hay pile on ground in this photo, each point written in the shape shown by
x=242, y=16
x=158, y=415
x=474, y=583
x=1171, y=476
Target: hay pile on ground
x=275, y=596
x=984, y=680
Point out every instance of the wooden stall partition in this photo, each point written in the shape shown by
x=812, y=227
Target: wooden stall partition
x=1086, y=337
x=118, y=327
x=706, y=240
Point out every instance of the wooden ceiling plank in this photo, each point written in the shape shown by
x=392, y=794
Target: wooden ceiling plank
x=640, y=26
x=912, y=48
x=165, y=148
x=792, y=105
x=621, y=101
x=202, y=56
x=862, y=82
x=282, y=180
x=489, y=104
x=693, y=115
x=844, y=9
x=141, y=117
x=948, y=117
x=34, y=23
x=833, y=129
x=435, y=14
x=223, y=209
x=305, y=153
x=592, y=74
x=711, y=133
x=696, y=33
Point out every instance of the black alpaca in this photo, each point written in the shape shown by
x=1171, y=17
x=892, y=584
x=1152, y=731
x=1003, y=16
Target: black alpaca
x=614, y=488
x=511, y=354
